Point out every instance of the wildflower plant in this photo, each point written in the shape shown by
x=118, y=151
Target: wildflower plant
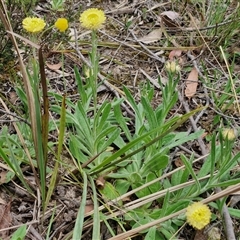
x=132, y=153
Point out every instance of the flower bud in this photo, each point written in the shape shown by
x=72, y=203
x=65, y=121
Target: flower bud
x=229, y=134
x=172, y=67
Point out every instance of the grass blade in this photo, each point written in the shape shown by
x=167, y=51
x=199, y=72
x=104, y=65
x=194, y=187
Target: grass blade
x=96, y=216
x=78, y=228
x=60, y=145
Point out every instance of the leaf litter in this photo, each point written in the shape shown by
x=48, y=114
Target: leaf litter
x=191, y=83
x=136, y=60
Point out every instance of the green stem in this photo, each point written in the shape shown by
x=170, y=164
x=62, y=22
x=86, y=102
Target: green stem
x=94, y=70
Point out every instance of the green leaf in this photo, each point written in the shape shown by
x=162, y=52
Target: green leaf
x=142, y=221
x=109, y=192
x=170, y=126
x=166, y=233
x=183, y=137
x=153, y=187
x=135, y=177
x=59, y=152
x=82, y=120
x=78, y=228
x=188, y=165
x=142, y=193
x=177, y=177
x=20, y=233
x=150, y=114
x=101, y=142
x=96, y=216
x=165, y=204
x=225, y=183
x=139, y=117
x=155, y=164
x=228, y=165
x=122, y=186
x=178, y=222
x=80, y=86
x=206, y=167
x=213, y=155
x=151, y=234
x=74, y=146
x=101, y=117
x=13, y=163
x=122, y=121
x=234, y=212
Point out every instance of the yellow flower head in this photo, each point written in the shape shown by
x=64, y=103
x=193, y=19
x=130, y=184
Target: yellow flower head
x=92, y=18
x=61, y=24
x=33, y=24
x=198, y=215
x=229, y=134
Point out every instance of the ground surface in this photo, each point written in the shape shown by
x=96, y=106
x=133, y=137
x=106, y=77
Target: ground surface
x=137, y=40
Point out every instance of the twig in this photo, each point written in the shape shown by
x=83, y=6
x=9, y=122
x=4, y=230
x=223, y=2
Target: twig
x=153, y=55
x=194, y=126
x=13, y=115
x=191, y=29
x=227, y=221
x=188, y=151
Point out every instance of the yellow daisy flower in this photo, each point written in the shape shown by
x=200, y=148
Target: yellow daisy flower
x=33, y=24
x=61, y=24
x=198, y=215
x=92, y=18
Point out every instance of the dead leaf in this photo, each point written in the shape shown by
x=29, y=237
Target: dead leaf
x=54, y=66
x=174, y=53
x=89, y=208
x=153, y=36
x=13, y=97
x=178, y=162
x=170, y=14
x=100, y=182
x=3, y=178
x=191, y=83
x=214, y=234
x=5, y=219
x=170, y=18
x=6, y=176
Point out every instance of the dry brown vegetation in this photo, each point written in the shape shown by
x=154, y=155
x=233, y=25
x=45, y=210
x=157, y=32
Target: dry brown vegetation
x=136, y=42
